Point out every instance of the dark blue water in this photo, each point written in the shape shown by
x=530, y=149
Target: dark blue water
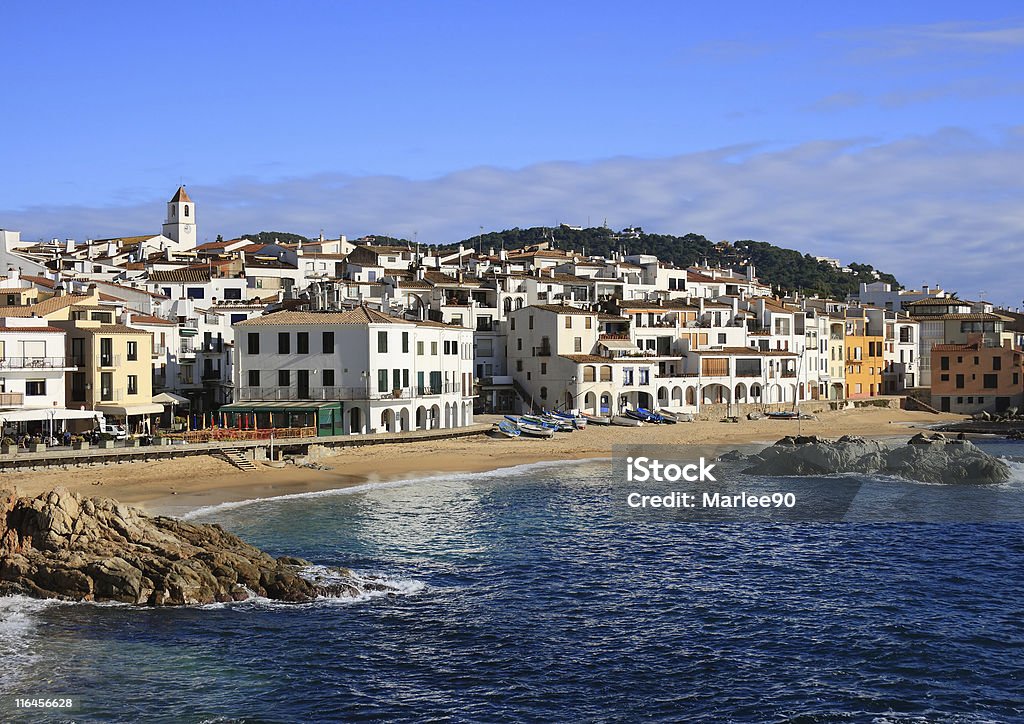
x=530, y=598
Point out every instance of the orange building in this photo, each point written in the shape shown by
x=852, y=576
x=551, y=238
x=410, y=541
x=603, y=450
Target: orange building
x=864, y=356
x=969, y=378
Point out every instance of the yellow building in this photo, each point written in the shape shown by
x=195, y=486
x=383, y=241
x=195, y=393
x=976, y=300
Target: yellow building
x=864, y=356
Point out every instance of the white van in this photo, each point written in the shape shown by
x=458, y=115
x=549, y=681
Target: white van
x=118, y=432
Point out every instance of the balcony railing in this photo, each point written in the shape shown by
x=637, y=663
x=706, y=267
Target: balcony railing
x=247, y=394
x=32, y=363
x=11, y=399
x=110, y=360
x=542, y=351
x=159, y=350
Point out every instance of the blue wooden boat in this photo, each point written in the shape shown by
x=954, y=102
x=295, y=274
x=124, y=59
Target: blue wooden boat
x=651, y=416
x=508, y=429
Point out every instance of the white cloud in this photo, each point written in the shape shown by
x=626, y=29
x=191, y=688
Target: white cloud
x=949, y=37
x=943, y=207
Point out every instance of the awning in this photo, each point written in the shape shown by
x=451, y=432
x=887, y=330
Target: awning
x=186, y=332
x=130, y=410
x=45, y=413
x=618, y=344
x=169, y=398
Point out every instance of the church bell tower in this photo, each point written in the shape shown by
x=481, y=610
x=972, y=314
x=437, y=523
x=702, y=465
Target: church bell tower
x=181, y=219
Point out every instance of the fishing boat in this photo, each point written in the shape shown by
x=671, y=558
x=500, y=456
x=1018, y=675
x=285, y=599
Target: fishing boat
x=504, y=429
x=783, y=415
x=578, y=421
x=651, y=416
x=597, y=419
x=623, y=421
x=641, y=415
x=532, y=430
x=547, y=420
x=668, y=417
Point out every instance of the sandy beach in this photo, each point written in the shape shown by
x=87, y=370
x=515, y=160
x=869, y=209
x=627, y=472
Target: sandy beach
x=176, y=486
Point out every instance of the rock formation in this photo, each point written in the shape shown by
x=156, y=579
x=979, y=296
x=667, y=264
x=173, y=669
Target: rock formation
x=927, y=458
x=61, y=545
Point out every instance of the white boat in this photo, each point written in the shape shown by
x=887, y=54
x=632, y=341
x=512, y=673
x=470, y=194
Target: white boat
x=623, y=421
x=597, y=419
x=532, y=430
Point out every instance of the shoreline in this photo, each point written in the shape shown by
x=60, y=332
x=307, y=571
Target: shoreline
x=179, y=486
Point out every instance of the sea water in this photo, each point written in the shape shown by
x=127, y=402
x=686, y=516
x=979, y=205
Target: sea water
x=526, y=594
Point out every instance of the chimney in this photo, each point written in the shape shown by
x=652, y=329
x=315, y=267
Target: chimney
x=551, y=272
x=69, y=245
x=13, y=274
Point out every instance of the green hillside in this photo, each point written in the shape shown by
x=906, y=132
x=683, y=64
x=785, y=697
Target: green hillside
x=786, y=269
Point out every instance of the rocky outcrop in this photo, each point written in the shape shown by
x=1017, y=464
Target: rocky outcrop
x=927, y=458
x=60, y=545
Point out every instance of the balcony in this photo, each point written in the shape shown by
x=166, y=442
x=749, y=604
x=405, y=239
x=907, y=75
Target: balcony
x=159, y=350
x=788, y=373
x=110, y=360
x=247, y=394
x=12, y=399
x=542, y=351
x=110, y=394
x=35, y=363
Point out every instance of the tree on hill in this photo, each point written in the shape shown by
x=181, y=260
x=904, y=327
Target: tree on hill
x=278, y=237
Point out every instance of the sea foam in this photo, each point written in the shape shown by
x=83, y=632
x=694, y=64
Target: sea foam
x=209, y=510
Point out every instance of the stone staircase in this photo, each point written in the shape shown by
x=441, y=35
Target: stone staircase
x=238, y=459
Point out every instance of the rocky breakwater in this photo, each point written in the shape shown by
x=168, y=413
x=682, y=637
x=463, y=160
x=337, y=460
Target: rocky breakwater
x=930, y=458
x=61, y=545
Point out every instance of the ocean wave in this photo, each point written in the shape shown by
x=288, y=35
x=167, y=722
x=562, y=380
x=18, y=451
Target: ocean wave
x=382, y=485
x=372, y=585
x=18, y=622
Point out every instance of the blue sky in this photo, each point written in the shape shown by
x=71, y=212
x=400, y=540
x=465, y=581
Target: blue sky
x=884, y=133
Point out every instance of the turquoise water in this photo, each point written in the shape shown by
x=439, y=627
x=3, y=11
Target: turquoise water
x=528, y=595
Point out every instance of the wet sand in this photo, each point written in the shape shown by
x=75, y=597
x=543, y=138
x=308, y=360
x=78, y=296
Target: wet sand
x=176, y=486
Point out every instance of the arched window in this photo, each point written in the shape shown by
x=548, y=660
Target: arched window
x=589, y=373
x=606, y=373
x=174, y=211
x=519, y=303
x=186, y=209
x=508, y=304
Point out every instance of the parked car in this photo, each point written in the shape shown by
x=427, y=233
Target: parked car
x=118, y=432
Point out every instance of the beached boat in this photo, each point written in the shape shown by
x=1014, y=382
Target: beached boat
x=623, y=421
x=641, y=415
x=783, y=415
x=531, y=430
x=651, y=416
x=668, y=417
x=504, y=429
x=597, y=419
x=549, y=421
x=577, y=421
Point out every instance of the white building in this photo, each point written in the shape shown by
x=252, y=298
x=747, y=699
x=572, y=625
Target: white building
x=32, y=364
x=390, y=374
